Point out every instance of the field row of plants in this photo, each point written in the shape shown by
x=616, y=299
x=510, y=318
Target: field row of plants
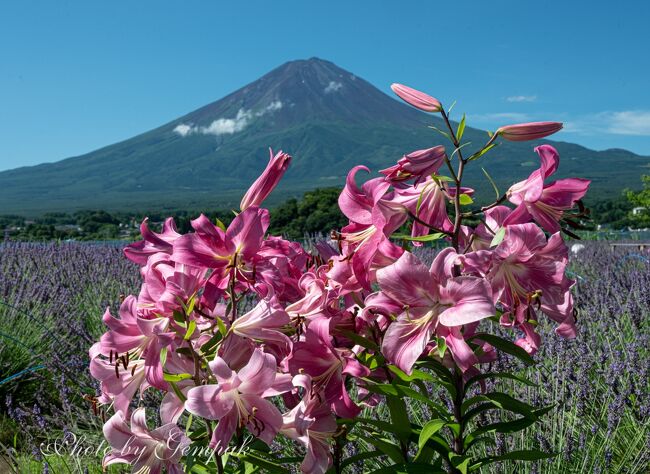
x=52, y=295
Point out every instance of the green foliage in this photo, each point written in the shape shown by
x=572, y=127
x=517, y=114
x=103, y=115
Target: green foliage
x=641, y=203
x=449, y=440
x=316, y=212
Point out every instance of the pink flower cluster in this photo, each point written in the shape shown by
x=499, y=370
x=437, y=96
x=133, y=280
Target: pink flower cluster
x=230, y=320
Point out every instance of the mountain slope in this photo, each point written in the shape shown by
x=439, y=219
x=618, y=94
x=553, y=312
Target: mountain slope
x=326, y=117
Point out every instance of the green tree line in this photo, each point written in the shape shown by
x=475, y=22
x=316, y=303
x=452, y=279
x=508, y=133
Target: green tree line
x=316, y=212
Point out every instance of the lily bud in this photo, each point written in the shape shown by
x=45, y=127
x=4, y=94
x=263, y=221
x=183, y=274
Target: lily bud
x=522, y=132
x=267, y=181
x=417, y=99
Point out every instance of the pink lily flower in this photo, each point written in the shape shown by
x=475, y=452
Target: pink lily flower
x=231, y=251
x=526, y=268
x=433, y=302
x=267, y=181
x=133, y=336
x=545, y=203
x=418, y=164
x=315, y=301
x=428, y=202
x=315, y=356
x=147, y=451
x=417, y=99
x=166, y=285
x=238, y=400
x=486, y=230
x=287, y=260
x=119, y=385
x=264, y=323
x=372, y=219
x=312, y=423
x=528, y=131
x=152, y=243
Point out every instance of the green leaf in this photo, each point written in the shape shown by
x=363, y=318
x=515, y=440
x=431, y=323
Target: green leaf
x=523, y=455
x=220, y=224
x=361, y=457
x=500, y=400
x=212, y=342
x=267, y=465
x=380, y=424
x=177, y=391
x=465, y=200
x=190, y=307
x=506, y=346
x=457, y=150
x=179, y=318
x=408, y=468
x=387, y=447
x=199, y=469
x=222, y=327
x=421, y=238
x=360, y=340
x=401, y=425
x=438, y=177
x=419, y=203
x=461, y=129
x=163, y=356
x=401, y=391
x=190, y=330
x=415, y=374
x=445, y=378
x=498, y=237
x=176, y=377
x=441, y=346
x=444, y=134
x=460, y=462
x=428, y=430
x=506, y=426
x=494, y=185
x=188, y=424
x=498, y=375
x=481, y=152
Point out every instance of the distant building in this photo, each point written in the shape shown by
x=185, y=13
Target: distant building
x=638, y=210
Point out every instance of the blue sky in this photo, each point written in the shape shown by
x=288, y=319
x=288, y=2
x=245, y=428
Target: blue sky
x=78, y=75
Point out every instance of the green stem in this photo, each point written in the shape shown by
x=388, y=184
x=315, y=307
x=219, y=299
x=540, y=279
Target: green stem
x=459, y=440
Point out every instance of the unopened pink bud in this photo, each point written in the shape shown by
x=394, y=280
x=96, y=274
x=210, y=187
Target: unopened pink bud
x=522, y=132
x=267, y=181
x=417, y=99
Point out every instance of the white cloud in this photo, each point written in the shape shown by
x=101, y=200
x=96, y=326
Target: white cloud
x=629, y=122
x=625, y=122
x=224, y=126
x=333, y=86
x=521, y=98
x=272, y=107
x=227, y=126
x=183, y=130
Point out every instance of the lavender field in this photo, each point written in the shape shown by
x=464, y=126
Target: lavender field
x=52, y=297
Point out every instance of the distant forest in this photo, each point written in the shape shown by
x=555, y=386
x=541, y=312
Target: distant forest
x=316, y=212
